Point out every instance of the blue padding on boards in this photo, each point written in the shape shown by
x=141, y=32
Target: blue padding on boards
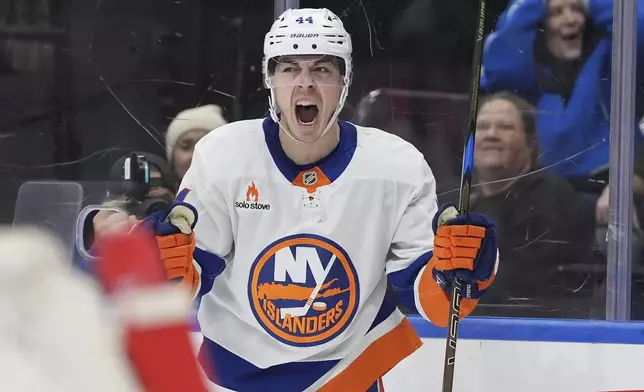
x=538, y=330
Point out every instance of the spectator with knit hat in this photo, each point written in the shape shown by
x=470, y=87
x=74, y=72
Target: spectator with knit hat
x=186, y=130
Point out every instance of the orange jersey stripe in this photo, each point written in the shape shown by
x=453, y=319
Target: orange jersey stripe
x=435, y=302
x=374, y=362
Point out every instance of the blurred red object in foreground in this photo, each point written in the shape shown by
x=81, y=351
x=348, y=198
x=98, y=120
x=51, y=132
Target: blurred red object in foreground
x=155, y=314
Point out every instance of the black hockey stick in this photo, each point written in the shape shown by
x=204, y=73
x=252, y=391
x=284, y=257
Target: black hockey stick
x=464, y=199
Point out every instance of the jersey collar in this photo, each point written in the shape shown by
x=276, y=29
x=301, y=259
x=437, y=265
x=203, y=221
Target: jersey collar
x=333, y=165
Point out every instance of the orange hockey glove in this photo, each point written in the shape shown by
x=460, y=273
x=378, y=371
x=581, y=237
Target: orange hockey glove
x=465, y=247
x=176, y=242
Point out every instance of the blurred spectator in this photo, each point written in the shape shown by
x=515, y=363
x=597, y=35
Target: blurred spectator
x=185, y=131
x=557, y=55
x=427, y=119
x=162, y=178
x=540, y=221
x=375, y=110
x=159, y=194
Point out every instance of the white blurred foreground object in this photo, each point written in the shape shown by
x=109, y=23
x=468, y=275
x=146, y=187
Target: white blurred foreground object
x=51, y=206
x=54, y=332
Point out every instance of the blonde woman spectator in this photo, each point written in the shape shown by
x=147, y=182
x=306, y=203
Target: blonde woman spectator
x=185, y=131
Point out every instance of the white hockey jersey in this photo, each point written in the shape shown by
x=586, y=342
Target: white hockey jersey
x=294, y=260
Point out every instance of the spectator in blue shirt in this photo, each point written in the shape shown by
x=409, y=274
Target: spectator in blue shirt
x=557, y=55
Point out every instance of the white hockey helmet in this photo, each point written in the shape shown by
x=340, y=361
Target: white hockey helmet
x=307, y=31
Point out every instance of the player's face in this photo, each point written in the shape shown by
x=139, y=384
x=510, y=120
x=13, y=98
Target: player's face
x=307, y=92
x=564, y=27
x=183, y=150
x=501, y=144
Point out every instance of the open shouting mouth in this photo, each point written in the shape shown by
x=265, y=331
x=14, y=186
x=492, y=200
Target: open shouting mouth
x=306, y=112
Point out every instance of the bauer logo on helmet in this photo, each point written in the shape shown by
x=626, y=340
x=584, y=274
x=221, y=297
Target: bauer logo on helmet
x=299, y=35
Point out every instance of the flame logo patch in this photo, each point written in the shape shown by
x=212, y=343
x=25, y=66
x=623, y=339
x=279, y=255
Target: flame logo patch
x=252, y=194
x=251, y=201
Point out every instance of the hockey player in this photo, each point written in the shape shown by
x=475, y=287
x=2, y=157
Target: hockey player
x=303, y=219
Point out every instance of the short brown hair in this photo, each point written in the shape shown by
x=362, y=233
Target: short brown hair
x=527, y=113
x=272, y=63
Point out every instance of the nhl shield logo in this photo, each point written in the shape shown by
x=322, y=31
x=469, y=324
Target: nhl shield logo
x=303, y=290
x=310, y=178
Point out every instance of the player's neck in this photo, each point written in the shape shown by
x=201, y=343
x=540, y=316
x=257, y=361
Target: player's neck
x=307, y=153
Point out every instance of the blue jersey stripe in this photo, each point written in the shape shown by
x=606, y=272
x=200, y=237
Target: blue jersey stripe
x=211, y=267
x=233, y=372
x=403, y=281
x=332, y=165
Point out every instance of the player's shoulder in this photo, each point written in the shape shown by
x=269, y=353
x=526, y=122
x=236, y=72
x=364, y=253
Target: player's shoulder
x=389, y=153
x=231, y=141
x=226, y=147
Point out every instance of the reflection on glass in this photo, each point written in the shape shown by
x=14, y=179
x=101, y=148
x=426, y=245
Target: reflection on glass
x=85, y=83
x=557, y=55
x=540, y=236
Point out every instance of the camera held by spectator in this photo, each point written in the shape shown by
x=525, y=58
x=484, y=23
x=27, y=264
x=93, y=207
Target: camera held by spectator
x=139, y=185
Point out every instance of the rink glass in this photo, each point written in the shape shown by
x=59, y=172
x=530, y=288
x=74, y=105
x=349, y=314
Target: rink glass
x=85, y=82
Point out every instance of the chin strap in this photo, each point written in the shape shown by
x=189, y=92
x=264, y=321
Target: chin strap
x=272, y=108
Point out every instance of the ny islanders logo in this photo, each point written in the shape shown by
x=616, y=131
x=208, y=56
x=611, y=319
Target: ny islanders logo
x=303, y=290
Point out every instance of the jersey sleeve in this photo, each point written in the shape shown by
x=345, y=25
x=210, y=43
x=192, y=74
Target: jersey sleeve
x=213, y=231
x=411, y=252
